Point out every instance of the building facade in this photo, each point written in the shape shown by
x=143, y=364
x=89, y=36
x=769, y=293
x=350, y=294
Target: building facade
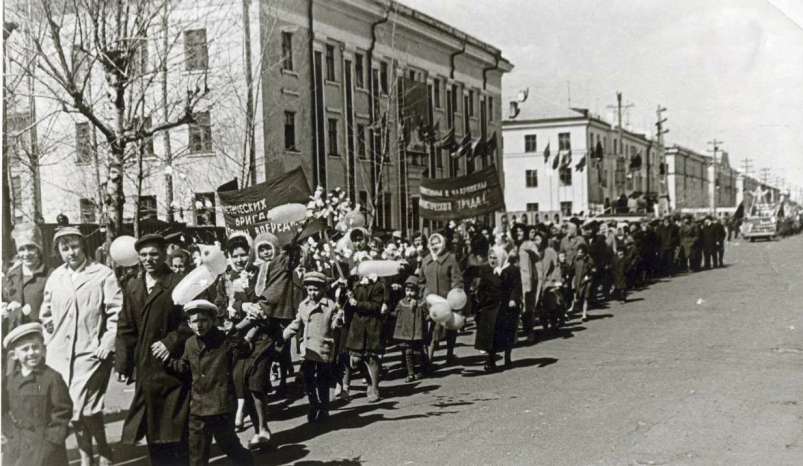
x=697, y=185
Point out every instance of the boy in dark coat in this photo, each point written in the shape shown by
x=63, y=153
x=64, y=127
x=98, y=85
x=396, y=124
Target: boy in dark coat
x=36, y=403
x=411, y=324
x=209, y=358
x=621, y=269
x=365, y=342
x=584, y=271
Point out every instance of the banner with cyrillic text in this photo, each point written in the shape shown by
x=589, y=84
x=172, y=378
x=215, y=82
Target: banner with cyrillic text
x=463, y=197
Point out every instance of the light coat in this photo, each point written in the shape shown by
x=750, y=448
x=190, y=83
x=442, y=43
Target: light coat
x=317, y=323
x=84, y=307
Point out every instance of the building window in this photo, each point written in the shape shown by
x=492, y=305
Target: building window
x=566, y=209
x=383, y=77
x=201, y=134
x=147, y=207
x=205, y=209
x=471, y=103
x=565, y=174
x=287, y=51
x=436, y=92
x=532, y=207
x=89, y=211
x=361, y=141
x=455, y=100
x=359, y=71
x=530, y=143
x=490, y=108
x=615, y=146
x=83, y=143
x=145, y=143
x=564, y=141
x=332, y=133
x=290, y=131
x=139, y=60
x=531, y=178
x=330, y=63
x=195, y=50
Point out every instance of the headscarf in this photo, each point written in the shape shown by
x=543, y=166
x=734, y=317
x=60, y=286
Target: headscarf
x=501, y=258
x=262, y=239
x=443, y=242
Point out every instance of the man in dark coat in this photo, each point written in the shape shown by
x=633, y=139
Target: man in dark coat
x=710, y=236
x=150, y=329
x=722, y=235
x=669, y=240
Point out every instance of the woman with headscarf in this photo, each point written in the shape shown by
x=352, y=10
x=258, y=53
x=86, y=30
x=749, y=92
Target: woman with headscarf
x=439, y=274
x=498, y=294
x=80, y=309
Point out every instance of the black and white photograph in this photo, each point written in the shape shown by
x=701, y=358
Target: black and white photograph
x=402, y=232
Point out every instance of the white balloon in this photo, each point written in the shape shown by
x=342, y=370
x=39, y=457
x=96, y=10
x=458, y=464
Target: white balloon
x=193, y=285
x=457, y=299
x=455, y=321
x=287, y=213
x=214, y=258
x=123, y=252
x=440, y=312
x=434, y=299
x=384, y=268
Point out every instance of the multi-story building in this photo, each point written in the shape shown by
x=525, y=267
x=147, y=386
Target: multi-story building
x=330, y=80
x=697, y=185
x=598, y=163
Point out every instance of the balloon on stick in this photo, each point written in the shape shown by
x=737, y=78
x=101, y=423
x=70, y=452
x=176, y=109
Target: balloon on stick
x=287, y=213
x=455, y=321
x=384, y=268
x=195, y=283
x=457, y=299
x=123, y=252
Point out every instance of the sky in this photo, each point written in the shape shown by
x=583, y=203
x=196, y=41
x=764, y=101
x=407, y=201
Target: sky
x=730, y=70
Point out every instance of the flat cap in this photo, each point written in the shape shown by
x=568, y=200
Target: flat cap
x=147, y=239
x=314, y=277
x=200, y=306
x=67, y=231
x=21, y=331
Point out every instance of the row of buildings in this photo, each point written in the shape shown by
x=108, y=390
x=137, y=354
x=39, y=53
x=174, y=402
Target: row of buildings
x=563, y=161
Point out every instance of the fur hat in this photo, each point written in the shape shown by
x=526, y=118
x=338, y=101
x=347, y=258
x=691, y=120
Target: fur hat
x=28, y=234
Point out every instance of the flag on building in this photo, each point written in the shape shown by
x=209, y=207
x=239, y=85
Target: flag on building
x=546, y=154
x=599, y=153
x=478, y=149
x=581, y=165
x=464, y=147
x=556, y=161
x=567, y=158
x=490, y=144
x=447, y=141
x=415, y=109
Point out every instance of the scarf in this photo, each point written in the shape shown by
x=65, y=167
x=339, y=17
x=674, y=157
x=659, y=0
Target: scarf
x=501, y=259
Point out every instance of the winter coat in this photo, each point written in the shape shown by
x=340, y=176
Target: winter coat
x=365, y=332
x=583, y=269
x=569, y=246
x=161, y=400
x=600, y=253
x=621, y=268
x=440, y=275
x=528, y=256
x=496, y=319
x=84, y=307
x=317, y=323
x=411, y=320
x=283, y=289
x=547, y=270
x=688, y=236
x=36, y=418
x=28, y=290
x=668, y=237
x=710, y=238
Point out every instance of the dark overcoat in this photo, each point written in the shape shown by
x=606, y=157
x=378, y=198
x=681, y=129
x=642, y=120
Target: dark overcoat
x=160, y=407
x=24, y=290
x=411, y=315
x=365, y=332
x=496, y=320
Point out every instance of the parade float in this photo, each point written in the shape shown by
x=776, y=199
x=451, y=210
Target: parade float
x=761, y=216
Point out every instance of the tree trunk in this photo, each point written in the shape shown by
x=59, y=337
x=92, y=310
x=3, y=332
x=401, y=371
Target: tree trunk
x=166, y=115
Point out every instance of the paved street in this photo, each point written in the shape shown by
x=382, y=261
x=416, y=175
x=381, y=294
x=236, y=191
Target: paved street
x=703, y=369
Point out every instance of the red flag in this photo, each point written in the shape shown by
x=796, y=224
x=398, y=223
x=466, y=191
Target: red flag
x=546, y=153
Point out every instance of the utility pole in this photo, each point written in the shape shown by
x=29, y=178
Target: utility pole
x=746, y=166
x=621, y=144
x=765, y=175
x=659, y=134
x=716, y=144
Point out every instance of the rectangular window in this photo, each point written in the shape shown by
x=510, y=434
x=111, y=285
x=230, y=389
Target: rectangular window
x=532, y=207
x=566, y=209
x=83, y=143
x=332, y=135
x=471, y=103
x=383, y=77
x=195, y=50
x=531, y=178
x=615, y=146
x=359, y=71
x=565, y=141
x=88, y=211
x=436, y=93
x=145, y=143
x=147, y=207
x=330, y=63
x=201, y=134
x=490, y=108
x=287, y=51
x=139, y=60
x=205, y=209
x=530, y=143
x=455, y=100
x=565, y=174
x=361, y=141
x=290, y=131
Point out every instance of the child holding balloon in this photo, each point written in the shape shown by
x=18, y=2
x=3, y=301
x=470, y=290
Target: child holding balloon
x=411, y=324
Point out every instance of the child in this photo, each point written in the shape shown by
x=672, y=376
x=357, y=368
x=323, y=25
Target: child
x=584, y=270
x=317, y=319
x=209, y=357
x=412, y=314
x=36, y=403
x=621, y=269
x=567, y=278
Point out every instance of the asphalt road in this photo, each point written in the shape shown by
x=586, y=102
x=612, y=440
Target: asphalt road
x=702, y=369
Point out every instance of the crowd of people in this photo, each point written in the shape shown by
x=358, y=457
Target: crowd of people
x=201, y=369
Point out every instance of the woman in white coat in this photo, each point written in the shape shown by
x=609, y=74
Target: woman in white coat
x=81, y=304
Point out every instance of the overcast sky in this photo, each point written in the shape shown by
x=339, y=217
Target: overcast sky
x=725, y=69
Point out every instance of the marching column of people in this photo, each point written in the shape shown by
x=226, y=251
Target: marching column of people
x=200, y=369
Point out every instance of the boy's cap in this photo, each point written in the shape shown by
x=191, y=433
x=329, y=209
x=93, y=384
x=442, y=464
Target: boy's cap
x=314, y=277
x=149, y=239
x=412, y=280
x=200, y=305
x=22, y=331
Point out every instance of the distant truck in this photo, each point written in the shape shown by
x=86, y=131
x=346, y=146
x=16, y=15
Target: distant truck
x=761, y=222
